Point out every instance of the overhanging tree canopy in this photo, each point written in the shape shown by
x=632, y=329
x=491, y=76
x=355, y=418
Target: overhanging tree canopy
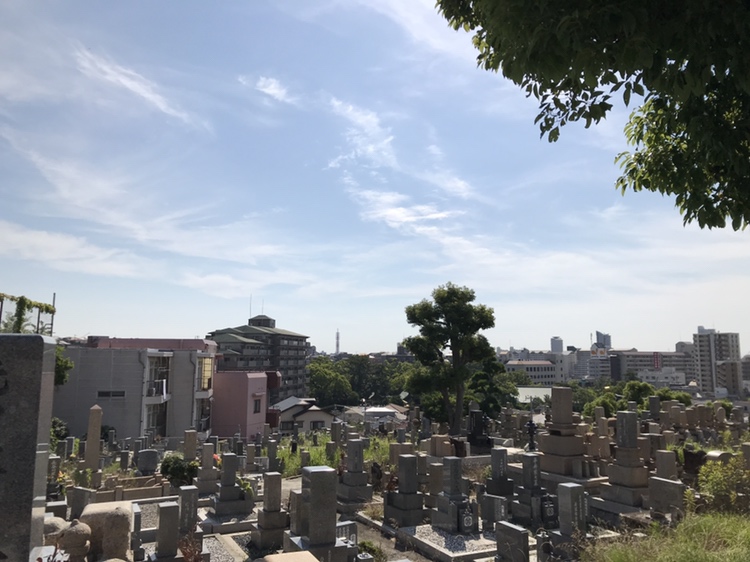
x=689, y=60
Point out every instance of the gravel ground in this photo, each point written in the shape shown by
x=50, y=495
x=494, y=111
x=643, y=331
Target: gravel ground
x=148, y=515
x=212, y=544
x=453, y=543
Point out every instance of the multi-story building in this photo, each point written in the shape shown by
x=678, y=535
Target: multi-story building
x=541, y=372
x=260, y=346
x=563, y=361
x=156, y=386
x=717, y=362
x=665, y=377
x=632, y=361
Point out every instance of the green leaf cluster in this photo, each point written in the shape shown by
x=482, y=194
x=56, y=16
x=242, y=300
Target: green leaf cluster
x=721, y=483
x=688, y=63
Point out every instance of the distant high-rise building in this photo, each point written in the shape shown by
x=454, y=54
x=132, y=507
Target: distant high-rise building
x=717, y=362
x=556, y=344
x=603, y=340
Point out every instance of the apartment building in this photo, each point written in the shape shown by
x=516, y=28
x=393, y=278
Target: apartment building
x=144, y=386
x=260, y=346
x=633, y=361
x=717, y=362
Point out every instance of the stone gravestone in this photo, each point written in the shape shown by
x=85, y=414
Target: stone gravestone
x=454, y=513
x=534, y=505
x=188, y=509
x=404, y=508
x=272, y=519
x=354, y=487
x=148, y=461
x=92, y=437
x=628, y=477
x=190, y=444
x=27, y=369
x=512, y=543
x=314, y=515
x=167, y=529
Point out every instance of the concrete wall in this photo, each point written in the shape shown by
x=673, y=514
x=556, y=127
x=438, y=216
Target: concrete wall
x=102, y=369
x=182, y=384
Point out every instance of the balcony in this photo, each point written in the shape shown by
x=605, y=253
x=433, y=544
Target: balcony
x=204, y=393
x=156, y=392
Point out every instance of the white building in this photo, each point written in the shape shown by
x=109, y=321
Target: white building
x=715, y=356
x=541, y=372
x=664, y=377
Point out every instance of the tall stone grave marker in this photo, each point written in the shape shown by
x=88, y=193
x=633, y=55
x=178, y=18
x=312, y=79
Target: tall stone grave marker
x=534, y=505
x=405, y=507
x=628, y=477
x=354, y=487
x=563, y=448
x=27, y=369
x=272, y=519
x=315, y=511
x=454, y=513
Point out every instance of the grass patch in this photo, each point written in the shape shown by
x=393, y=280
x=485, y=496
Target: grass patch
x=377, y=452
x=699, y=538
x=374, y=511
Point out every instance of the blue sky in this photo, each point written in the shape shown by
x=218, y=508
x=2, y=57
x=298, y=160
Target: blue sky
x=166, y=162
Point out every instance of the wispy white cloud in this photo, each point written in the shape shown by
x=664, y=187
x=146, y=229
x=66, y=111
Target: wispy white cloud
x=449, y=183
x=113, y=201
x=271, y=87
x=367, y=137
x=423, y=24
x=66, y=252
x=106, y=70
x=391, y=208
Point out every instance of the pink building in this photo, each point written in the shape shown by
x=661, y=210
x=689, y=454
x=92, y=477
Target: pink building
x=240, y=403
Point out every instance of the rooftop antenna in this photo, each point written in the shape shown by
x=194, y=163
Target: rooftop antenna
x=251, y=306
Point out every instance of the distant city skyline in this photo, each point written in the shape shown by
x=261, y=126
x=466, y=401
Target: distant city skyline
x=334, y=162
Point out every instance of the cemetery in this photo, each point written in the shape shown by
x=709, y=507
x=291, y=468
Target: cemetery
x=521, y=487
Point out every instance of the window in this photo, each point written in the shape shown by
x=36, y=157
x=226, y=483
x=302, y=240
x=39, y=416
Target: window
x=287, y=426
x=316, y=425
x=256, y=406
x=205, y=372
x=110, y=394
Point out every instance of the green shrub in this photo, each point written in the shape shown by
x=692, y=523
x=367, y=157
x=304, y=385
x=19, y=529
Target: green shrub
x=720, y=483
x=57, y=432
x=371, y=548
x=178, y=471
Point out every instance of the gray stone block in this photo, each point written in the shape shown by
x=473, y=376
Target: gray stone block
x=27, y=364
